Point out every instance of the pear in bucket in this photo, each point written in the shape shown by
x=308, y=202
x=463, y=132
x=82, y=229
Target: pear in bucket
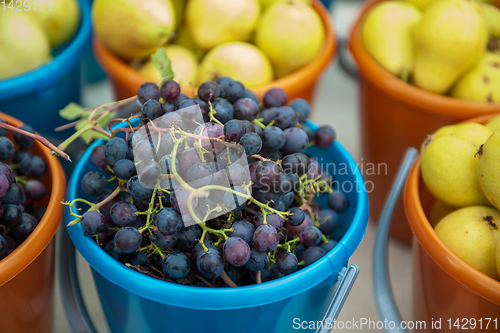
x=450, y=39
x=23, y=44
x=449, y=164
x=387, y=34
x=133, y=29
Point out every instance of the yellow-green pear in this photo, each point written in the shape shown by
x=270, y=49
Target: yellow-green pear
x=133, y=29
x=183, y=38
x=449, y=164
x=450, y=39
x=291, y=34
x=184, y=66
x=267, y=3
x=213, y=22
x=180, y=6
x=241, y=61
x=421, y=4
x=493, y=124
x=482, y=82
x=387, y=35
x=439, y=210
x=488, y=168
x=23, y=44
x=492, y=18
x=59, y=19
x=498, y=258
x=472, y=234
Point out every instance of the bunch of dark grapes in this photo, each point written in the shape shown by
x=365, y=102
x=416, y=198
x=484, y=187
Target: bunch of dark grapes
x=139, y=217
x=21, y=191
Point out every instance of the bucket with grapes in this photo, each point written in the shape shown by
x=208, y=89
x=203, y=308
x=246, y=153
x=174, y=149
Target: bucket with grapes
x=32, y=185
x=218, y=213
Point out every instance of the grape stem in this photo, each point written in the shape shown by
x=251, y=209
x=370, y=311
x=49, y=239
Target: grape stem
x=227, y=279
x=258, y=277
x=324, y=239
x=259, y=123
x=39, y=138
x=287, y=244
x=202, y=279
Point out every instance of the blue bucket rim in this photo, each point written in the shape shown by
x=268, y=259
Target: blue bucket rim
x=71, y=55
x=221, y=298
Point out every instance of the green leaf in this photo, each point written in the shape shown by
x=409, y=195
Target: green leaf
x=90, y=136
x=163, y=64
x=72, y=111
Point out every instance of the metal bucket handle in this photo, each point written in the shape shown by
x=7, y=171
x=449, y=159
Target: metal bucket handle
x=383, y=294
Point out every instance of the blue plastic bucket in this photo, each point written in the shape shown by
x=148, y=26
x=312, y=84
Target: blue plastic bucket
x=93, y=72
x=134, y=302
x=36, y=97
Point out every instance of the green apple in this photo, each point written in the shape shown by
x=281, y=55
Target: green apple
x=449, y=164
x=472, y=233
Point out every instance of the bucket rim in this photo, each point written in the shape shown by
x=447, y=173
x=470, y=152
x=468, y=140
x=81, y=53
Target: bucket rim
x=404, y=92
x=73, y=53
x=458, y=269
x=120, y=71
x=222, y=298
x=33, y=246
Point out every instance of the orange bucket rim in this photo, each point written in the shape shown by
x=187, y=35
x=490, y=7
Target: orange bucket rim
x=116, y=68
x=474, y=280
x=31, y=248
x=384, y=80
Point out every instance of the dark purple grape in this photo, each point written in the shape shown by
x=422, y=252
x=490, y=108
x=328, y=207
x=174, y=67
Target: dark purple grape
x=210, y=264
x=98, y=157
x=275, y=97
x=246, y=109
x=253, y=169
x=296, y=141
x=236, y=251
x=208, y=91
x=168, y=108
x=234, y=130
x=265, y=238
x=147, y=91
x=244, y=230
x=268, y=174
x=179, y=199
x=33, y=167
x=274, y=138
x=324, y=136
x=310, y=236
x=309, y=131
x=170, y=91
x=105, y=209
x=6, y=149
x=186, y=104
x=286, y=263
x=272, y=154
x=293, y=231
x=296, y=217
x=234, y=91
x=252, y=96
x=24, y=141
x=284, y=185
x=304, y=163
x=302, y=107
x=188, y=158
x=137, y=191
x=3, y=242
x=148, y=173
x=104, y=237
x=178, y=100
x=312, y=254
x=224, y=110
x=314, y=169
x=115, y=252
x=128, y=239
x=4, y=185
x=199, y=175
x=139, y=259
x=168, y=221
x=288, y=199
x=93, y=222
x=94, y=183
x=269, y=115
x=152, y=109
x=15, y=195
x=328, y=246
x=7, y=172
x=3, y=131
x=198, y=250
x=229, y=156
x=122, y=214
x=328, y=220
x=176, y=265
x=234, y=273
x=237, y=174
x=187, y=237
x=144, y=150
x=249, y=126
x=162, y=240
x=116, y=149
x=25, y=226
x=169, y=120
x=272, y=219
x=338, y=201
x=257, y=260
x=34, y=189
x=124, y=169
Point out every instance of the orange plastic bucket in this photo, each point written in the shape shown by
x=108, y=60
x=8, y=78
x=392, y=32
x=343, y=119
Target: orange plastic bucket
x=301, y=83
x=394, y=116
x=27, y=274
x=445, y=286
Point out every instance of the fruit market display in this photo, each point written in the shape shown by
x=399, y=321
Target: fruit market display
x=449, y=47
x=22, y=193
x=252, y=41
x=460, y=166
x=31, y=30
x=158, y=205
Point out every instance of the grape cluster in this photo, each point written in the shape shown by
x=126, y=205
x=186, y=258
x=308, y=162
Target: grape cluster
x=146, y=183
x=21, y=190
